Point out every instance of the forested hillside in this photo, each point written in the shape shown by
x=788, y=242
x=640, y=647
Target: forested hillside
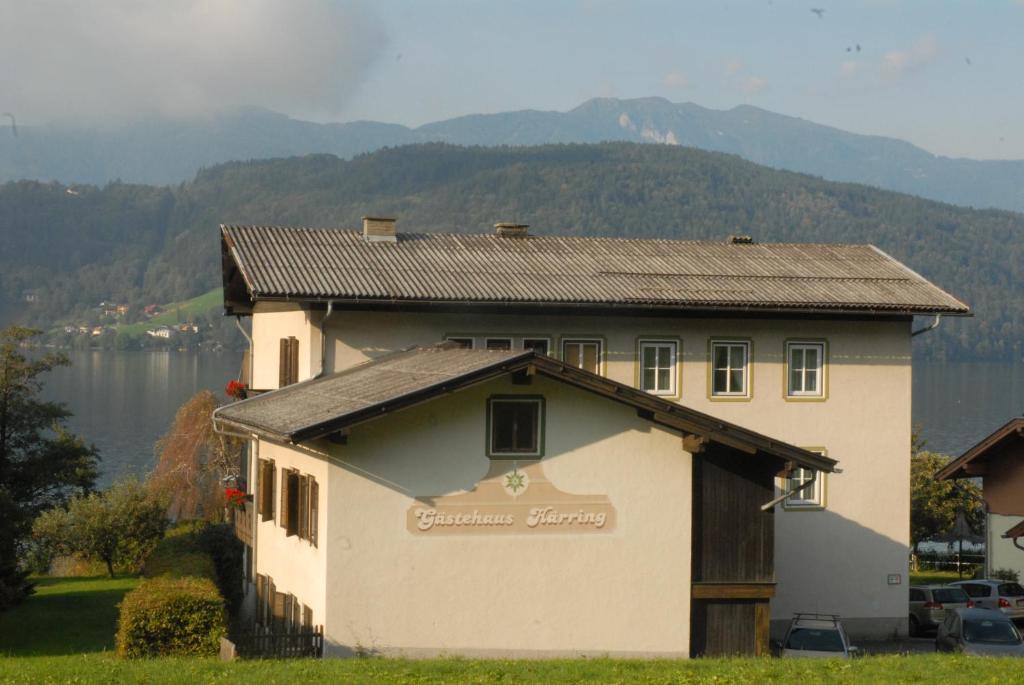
x=142, y=244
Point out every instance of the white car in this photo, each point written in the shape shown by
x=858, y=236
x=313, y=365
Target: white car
x=1006, y=597
x=816, y=636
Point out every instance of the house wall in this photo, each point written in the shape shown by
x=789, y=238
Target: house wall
x=1004, y=486
x=276, y=320
x=1001, y=552
x=295, y=566
x=836, y=559
x=619, y=591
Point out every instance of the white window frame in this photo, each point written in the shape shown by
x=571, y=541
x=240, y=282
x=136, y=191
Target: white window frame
x=745, y=344
x=673, y=369
x=472, y=341
x=586, y=341
x=811, y=498
x=498, y=338
x=802, y=345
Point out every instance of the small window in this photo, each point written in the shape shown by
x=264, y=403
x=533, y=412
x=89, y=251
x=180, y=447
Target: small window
x=515, y=427
x=499, y=343
x=289, y=518
x=658, y=366
x=807, y=493
x=583, y=354
x=265, y=488
x=538, y=345
x=465, y=343
x=805, y=362
x=730, y=365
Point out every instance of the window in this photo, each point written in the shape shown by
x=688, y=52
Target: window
x=300, y=505
x=539, y=345
x=810, y=496
x=515, y=425
x=498, y=343
x=916, y=595
x=657, y=361
x=265, y=485
x=805, y=363
x=288, y=362
x=583, y=354
x=729, y=370
x=465, y=343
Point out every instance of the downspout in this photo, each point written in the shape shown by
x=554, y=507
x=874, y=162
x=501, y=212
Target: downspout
x=930, y=327
x=238, y=322
x=323, y=338
x=768, y=505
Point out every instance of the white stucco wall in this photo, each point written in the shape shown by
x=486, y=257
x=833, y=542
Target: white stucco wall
x=625, y=591
x=836, y=560
x=295, y=566
x=1002, y=552
x=273, y=321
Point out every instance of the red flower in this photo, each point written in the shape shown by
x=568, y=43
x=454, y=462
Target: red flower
x=235, y=497
x=235, y=389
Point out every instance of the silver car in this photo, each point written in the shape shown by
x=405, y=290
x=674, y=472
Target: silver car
x=982, y=632
x=929, y=604
x=1004, y=596
x=816, y=636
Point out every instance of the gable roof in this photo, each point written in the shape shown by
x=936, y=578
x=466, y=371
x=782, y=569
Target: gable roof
x=987, y=447
x=1015, y=532
x=319, y=407
x=319, y=264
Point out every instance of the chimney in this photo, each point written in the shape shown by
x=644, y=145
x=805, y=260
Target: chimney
x=741, y=240
x=379, y=230
x=505, y=230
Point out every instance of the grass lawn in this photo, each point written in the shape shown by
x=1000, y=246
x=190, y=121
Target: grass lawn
x=169, y=315
x=928, y=668
x=64, y=616
x=935, y=577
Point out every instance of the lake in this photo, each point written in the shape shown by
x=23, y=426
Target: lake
x=124, y=401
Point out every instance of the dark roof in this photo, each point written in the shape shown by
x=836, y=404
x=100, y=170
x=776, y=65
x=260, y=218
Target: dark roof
x=319, y=407
x=270, y=262
x=1016, y=532
x=989, y=446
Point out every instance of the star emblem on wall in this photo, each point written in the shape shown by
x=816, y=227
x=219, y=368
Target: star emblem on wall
x=515, y=482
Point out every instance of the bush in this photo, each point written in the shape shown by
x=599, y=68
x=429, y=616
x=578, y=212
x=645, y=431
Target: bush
x=169, y=616
x=1007, y=574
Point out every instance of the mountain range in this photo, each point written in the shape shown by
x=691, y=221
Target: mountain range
x=163, y=151
x=68, y=248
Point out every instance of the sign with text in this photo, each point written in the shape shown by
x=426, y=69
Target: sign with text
x=514, y=497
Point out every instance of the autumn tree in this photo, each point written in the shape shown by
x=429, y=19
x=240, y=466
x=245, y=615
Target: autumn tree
x=193, y=460
x=41, y=464
x=119, y=526
x=933, y=503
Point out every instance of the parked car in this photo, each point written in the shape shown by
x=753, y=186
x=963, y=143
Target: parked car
x=929, y=604
x=1001, y=595
x=985, y=632
x=816, y=636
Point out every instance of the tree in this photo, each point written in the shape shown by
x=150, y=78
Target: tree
x=193, y=460
x=933, y=503
x=41, y=464
x=119, y=526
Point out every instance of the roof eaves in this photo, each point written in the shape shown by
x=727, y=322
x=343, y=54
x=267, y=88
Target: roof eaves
x=957, y=467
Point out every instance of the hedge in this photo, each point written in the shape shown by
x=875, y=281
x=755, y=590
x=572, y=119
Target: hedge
x=178, y=610
x=169, y=616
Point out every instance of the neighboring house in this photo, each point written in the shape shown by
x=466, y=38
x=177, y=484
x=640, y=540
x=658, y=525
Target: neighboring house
x=500, y=502
x=161, y=332
x=809, y=344
x=999, y=461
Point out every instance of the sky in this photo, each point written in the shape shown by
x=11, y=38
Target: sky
x=947, y=76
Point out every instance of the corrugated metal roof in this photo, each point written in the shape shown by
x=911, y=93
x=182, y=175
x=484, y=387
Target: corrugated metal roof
x=320, y=263
x=318, y=407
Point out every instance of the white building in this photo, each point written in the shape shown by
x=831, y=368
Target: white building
x=808, y=344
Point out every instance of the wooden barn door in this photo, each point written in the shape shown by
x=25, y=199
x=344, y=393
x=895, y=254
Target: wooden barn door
x=732, y=573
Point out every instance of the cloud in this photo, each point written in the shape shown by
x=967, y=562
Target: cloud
x=754, y=84
x=676, y=79
x=899, y=62
x=122, y=59
x=849, y=69
x=732, y=66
